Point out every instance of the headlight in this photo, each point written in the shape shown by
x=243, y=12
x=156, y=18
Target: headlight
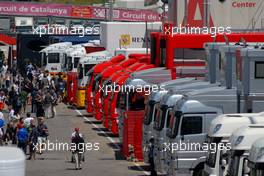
x=260, y=153
x=239, y=140
x=217, y=128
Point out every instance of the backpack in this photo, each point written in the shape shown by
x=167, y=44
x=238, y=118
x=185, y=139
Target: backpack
x=22, y=135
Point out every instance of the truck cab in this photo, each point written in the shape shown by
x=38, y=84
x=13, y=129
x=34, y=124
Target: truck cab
x=53, y=57
x=84, y=65
x=241, y=142
x=73, y=55
x=189, y=122
x=256, y=158
x=162, y=117
x=219, y=132
x=96, y=70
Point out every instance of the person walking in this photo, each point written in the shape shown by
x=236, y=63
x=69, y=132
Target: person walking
x=153, y=172
x=48, y=104
x=43, y=133
x=7, y=79
x=33, y=139
x=78, y=145
x=23, y=97
x=22, y=138
x=10, y=134
x=39, y=104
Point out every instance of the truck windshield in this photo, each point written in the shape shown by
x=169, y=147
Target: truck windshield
x=136, y=101
x=64, y=60
x=121, y=100
x=80, y=71
x=233, y=167
x=149, y=112
x=174, y=124
x=44, y=59
x=212, y=153
x=113, y=93
x=97, y=84
x=53, y=58
x=160, y=119
x=69, y=63
x=75, y=62
x=96, y=81
x=87, y=67
x=104, y=92
x=90, y=75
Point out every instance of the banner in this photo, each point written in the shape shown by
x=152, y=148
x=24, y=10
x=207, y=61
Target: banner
x=126, y=14
x=86, y=12
x=29, y=9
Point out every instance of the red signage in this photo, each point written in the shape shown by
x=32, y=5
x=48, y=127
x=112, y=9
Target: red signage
x=81, y=12
x=192, y=7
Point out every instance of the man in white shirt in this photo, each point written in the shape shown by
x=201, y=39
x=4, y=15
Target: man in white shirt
x=28, y=120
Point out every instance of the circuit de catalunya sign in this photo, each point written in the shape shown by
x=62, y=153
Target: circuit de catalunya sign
x=86, y=12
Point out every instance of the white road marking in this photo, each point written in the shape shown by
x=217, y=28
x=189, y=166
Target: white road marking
x=109, y=138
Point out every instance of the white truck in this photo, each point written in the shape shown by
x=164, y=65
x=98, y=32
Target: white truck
x=73, y=55
x=85, y=64
x=221, y=128
x=53, y=57
x=241, y=142
x=126, y=34
x=162, y=117
x=256, y=158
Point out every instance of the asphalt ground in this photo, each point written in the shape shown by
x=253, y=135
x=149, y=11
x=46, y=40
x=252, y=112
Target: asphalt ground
x=106, y=161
